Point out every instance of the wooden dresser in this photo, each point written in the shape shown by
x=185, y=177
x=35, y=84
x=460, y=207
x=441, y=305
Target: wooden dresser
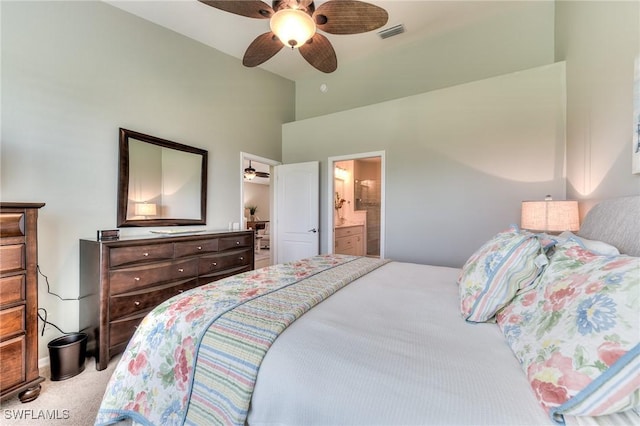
x=19, y=301
x=349, y=240
x=122, y=280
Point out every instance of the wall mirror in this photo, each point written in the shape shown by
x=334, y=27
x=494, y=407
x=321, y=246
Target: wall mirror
x=160, y=182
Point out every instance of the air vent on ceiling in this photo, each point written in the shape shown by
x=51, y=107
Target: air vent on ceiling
x=391, y=31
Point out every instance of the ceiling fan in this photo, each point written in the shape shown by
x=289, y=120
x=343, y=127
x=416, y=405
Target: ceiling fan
x=294, y=23
x=250, y=173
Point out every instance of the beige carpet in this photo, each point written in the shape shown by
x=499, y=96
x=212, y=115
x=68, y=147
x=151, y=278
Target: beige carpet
x=74, y=401
x=262, y=258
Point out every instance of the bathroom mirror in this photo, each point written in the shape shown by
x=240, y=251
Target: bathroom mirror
x=160, y=182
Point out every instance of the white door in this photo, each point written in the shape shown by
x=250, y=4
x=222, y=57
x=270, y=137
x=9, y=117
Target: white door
x=297, y=211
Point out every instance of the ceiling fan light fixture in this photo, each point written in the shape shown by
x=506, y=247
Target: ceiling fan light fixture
x=293, y=27
x=249, y=172
x=294, y=23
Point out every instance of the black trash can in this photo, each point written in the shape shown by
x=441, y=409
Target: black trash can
x=67, y=355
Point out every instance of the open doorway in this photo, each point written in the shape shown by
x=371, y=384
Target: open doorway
x=356, y=216
x=257, y=204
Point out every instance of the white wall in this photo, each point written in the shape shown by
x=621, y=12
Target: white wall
x=599, y=41
x=458, y=160
x=516, y=35
x=72, y=74
x=256, y=194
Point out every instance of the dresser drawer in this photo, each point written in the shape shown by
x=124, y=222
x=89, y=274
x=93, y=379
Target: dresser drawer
x=348, y=231
x=227, y=243
x=12, y=321
x=130, y=279
x=12, y=258
x=215, y=276
x=120, y=331
x=11, y=225
x=214, y=263
x=134, y=302
x=346, y=246
x=120, y=256
x=12, y=289
x=12, y=354
x=190, y=248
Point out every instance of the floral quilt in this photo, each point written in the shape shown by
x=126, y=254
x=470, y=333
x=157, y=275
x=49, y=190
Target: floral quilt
x=194, y=359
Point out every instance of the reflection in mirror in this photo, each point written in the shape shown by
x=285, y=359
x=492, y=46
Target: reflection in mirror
x=162, y=183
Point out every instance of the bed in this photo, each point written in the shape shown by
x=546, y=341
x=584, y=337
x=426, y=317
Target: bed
x=546, y=333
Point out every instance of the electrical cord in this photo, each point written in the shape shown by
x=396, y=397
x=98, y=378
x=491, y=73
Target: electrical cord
x=46, y=279
x=44, y=319
x=45, y=322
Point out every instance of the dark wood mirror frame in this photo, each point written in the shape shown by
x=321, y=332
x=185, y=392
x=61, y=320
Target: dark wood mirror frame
x=123, y=182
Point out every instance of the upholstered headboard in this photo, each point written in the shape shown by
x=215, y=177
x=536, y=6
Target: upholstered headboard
x=615, y=221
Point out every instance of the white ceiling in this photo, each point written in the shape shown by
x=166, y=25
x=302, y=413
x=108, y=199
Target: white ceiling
x=232, y=34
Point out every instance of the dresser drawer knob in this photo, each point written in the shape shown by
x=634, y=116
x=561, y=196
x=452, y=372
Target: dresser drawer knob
x=214, y=264
x=237, y=243
x=180, y=269
x=145, y=254
x=137, y=303
x=199, y=247
x=137, y=278
x=180, y=290
x=241, y=257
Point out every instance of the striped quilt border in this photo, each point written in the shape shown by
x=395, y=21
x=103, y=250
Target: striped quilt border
x=233, y=347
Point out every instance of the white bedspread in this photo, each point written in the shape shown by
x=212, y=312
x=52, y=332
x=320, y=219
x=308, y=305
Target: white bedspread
x=392, y=349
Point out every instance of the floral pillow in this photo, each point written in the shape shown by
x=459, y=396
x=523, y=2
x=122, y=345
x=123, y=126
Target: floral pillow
x=577, y=333
x=496, y=272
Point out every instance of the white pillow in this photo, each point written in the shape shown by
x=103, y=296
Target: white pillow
x=599, y=247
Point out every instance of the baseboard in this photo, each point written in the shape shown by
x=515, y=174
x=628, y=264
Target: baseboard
x=44, y=362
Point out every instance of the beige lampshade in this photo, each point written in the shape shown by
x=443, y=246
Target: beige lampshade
x=145, y=209
x=550, y=216
x=293, y=27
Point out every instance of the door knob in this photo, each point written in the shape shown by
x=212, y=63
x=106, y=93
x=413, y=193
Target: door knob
x=314, y=230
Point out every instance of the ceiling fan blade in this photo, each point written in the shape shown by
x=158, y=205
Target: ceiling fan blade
x=319, y=52
x=262, y=174
x=250, y=8
x=261, y=49
x=349, y=17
